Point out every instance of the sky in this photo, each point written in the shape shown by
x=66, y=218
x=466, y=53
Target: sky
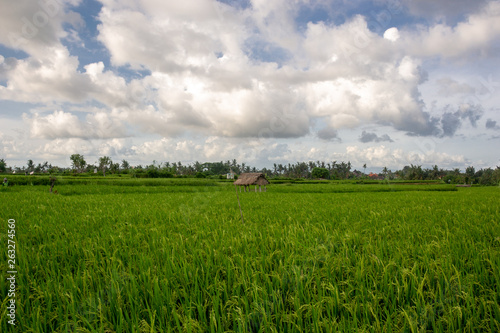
x=386, y=83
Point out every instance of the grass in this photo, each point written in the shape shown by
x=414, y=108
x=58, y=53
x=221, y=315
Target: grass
x=309, y=258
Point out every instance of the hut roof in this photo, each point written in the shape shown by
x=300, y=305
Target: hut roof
x=256, y=178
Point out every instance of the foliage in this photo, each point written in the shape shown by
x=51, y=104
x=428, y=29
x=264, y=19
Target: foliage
x=300, y=170
x=78, y=162
x=3, y=165
x=320, y=173
x=104, y=163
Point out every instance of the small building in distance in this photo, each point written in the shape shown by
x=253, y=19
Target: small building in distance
x=254, y=178
x=230, y=175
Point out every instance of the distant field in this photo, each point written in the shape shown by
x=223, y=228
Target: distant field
x=174, y=256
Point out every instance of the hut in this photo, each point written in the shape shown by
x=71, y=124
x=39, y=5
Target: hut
x=256, y=178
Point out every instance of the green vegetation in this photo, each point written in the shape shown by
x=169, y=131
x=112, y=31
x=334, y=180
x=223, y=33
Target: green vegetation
x=310, y=170
x=174, y=256
x=320, y=173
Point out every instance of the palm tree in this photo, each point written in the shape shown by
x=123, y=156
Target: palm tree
x=125, y=165
x=104, y=162
x=30, y=165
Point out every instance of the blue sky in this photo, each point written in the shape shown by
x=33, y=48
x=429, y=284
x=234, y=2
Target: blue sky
x=386, y=82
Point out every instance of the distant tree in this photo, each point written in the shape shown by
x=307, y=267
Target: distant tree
x=104, y=162
x=53, y=169
x=385, y=171
x=413, y=172
x=43, y=166
x=153, y=173
x=198, y=167
x=487, y=178
x=469, y=174
x=3, y=165
x=496, y=175
x=364, y=168
x=30, y=166
x=78, y=162
x=125, y=165
x=114, y=167
x=343, y=169
x=320, y=173
x=434, y=173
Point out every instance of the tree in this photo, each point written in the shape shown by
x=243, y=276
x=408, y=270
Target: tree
x=125, y=165
x=30, y=165
x=104, y=162
x=487, y=177
x=320, y=173
x=43, y=166
x=114, y=167
x=496, y=175
x=469, y=174
x=385, y=171
x=3, y=165
x=364, y=168
x=78, y=162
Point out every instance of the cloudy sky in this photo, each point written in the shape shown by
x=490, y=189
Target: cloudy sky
x=381, y=82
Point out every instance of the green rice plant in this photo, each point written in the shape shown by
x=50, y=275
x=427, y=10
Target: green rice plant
x=309, y=258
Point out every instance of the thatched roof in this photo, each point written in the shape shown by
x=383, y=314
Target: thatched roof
x=256, y=178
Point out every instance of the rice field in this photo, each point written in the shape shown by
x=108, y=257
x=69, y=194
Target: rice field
x=308, y=258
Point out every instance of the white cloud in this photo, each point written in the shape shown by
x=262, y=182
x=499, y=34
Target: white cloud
x=53, y=77
x=10, y=147
x=392, y=34
x=64, y=147
x=450, y=87
x=381, y=156
x=350, y=79
x=167, y=37
x=61, y=124
x=474, y=36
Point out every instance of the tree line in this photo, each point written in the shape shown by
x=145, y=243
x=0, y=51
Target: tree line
x=307, y=170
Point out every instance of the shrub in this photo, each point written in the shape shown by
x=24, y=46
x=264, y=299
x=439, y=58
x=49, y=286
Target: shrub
x=153, y=173
x=320, y=173
x=165, y=174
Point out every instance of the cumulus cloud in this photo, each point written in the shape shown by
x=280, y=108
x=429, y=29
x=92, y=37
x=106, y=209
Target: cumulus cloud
x=452, y=121
x=62, y=124
x=204, y=75
x=381, y=156
x=10, y=147
x=473, y=36
x=53, y=77
x=203, y=79
x=168, y=149
x=65, y=147
x=451, y=87
x=492, y=125
x=35, y=26
x=372, y=137
x=168, y=37
x=328, y=134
